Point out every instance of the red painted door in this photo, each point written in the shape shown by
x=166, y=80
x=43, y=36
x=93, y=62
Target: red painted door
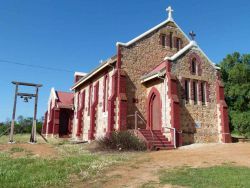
x=155, y=112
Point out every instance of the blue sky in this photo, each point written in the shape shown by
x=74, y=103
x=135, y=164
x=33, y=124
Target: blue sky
x=76, y=34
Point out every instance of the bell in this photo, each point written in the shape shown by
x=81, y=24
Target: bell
x=25, y=99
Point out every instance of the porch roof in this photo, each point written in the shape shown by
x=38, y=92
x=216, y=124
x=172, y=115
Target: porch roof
x=158, y=71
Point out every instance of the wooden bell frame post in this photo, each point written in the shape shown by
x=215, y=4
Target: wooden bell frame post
x=26, y=97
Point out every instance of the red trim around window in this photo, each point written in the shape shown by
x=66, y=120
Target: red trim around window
x=89, y=102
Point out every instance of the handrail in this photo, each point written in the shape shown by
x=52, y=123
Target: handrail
x=138, y=115
x=136, y=126
x=171, y=128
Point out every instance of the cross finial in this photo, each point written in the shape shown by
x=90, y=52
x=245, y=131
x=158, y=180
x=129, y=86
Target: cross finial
x=192, y=35
x=170, y=10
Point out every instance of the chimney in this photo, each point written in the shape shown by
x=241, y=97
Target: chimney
x=78, y=76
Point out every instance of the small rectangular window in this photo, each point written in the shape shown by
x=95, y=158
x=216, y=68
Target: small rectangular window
x=178, y=45
x=163, y=40
x=195, y=92
x=187, y=91
x=171, y=39
x=203, y=93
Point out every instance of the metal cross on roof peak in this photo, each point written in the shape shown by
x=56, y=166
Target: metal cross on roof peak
x=170, y=10
x=192, y=35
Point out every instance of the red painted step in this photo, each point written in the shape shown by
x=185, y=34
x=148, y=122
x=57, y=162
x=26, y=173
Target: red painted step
x=156, y=140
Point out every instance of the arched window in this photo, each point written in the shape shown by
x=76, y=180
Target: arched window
x=194, y=66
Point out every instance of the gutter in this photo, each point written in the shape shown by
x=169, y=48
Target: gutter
x=95, y=71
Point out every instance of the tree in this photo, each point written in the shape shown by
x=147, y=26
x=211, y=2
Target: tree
x=235, y=70
x=22, y=125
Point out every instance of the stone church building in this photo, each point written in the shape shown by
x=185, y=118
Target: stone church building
x=161, y=85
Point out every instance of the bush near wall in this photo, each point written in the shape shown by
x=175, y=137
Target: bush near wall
x=122, y=141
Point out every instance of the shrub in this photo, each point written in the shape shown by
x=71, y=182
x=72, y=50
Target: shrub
x=3, y=130
x=241, y=122
x=122, y=140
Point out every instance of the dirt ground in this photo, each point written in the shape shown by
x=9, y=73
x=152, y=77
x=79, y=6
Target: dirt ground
x=145, y=168
x=38, y=150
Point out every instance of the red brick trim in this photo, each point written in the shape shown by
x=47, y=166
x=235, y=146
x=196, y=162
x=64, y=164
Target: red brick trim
x=226, y=137
x=51, y=121
x=111, y=104
x=93, y=112
x=121, y=93
x=56, y=116
x=89, y=102
x=175, y=105
x=80, y=114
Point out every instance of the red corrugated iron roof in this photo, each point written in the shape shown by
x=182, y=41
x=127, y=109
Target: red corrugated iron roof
x=65, y=99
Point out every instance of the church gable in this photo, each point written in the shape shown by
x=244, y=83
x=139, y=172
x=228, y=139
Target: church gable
x=168, y=37
x=194, y=64
x=172, y=38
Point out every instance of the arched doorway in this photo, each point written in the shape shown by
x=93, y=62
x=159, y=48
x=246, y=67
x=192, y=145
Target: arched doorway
x=154, y=110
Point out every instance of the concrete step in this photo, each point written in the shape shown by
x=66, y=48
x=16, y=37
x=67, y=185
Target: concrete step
x=171, y=147
x=155, y=137
x=161, y=142
x=156, y=140
x=162, y=145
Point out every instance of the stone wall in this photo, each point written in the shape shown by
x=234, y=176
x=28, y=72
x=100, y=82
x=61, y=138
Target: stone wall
x=198, y=122
x=100, y=115
x=138, y=59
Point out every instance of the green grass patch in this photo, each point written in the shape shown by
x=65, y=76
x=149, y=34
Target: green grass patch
x=20, y=138
x=36, y=172
x=73, y=164
x=217, y=176
x=16, y=149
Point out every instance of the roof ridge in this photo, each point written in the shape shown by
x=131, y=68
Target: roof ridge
x=150, y=31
